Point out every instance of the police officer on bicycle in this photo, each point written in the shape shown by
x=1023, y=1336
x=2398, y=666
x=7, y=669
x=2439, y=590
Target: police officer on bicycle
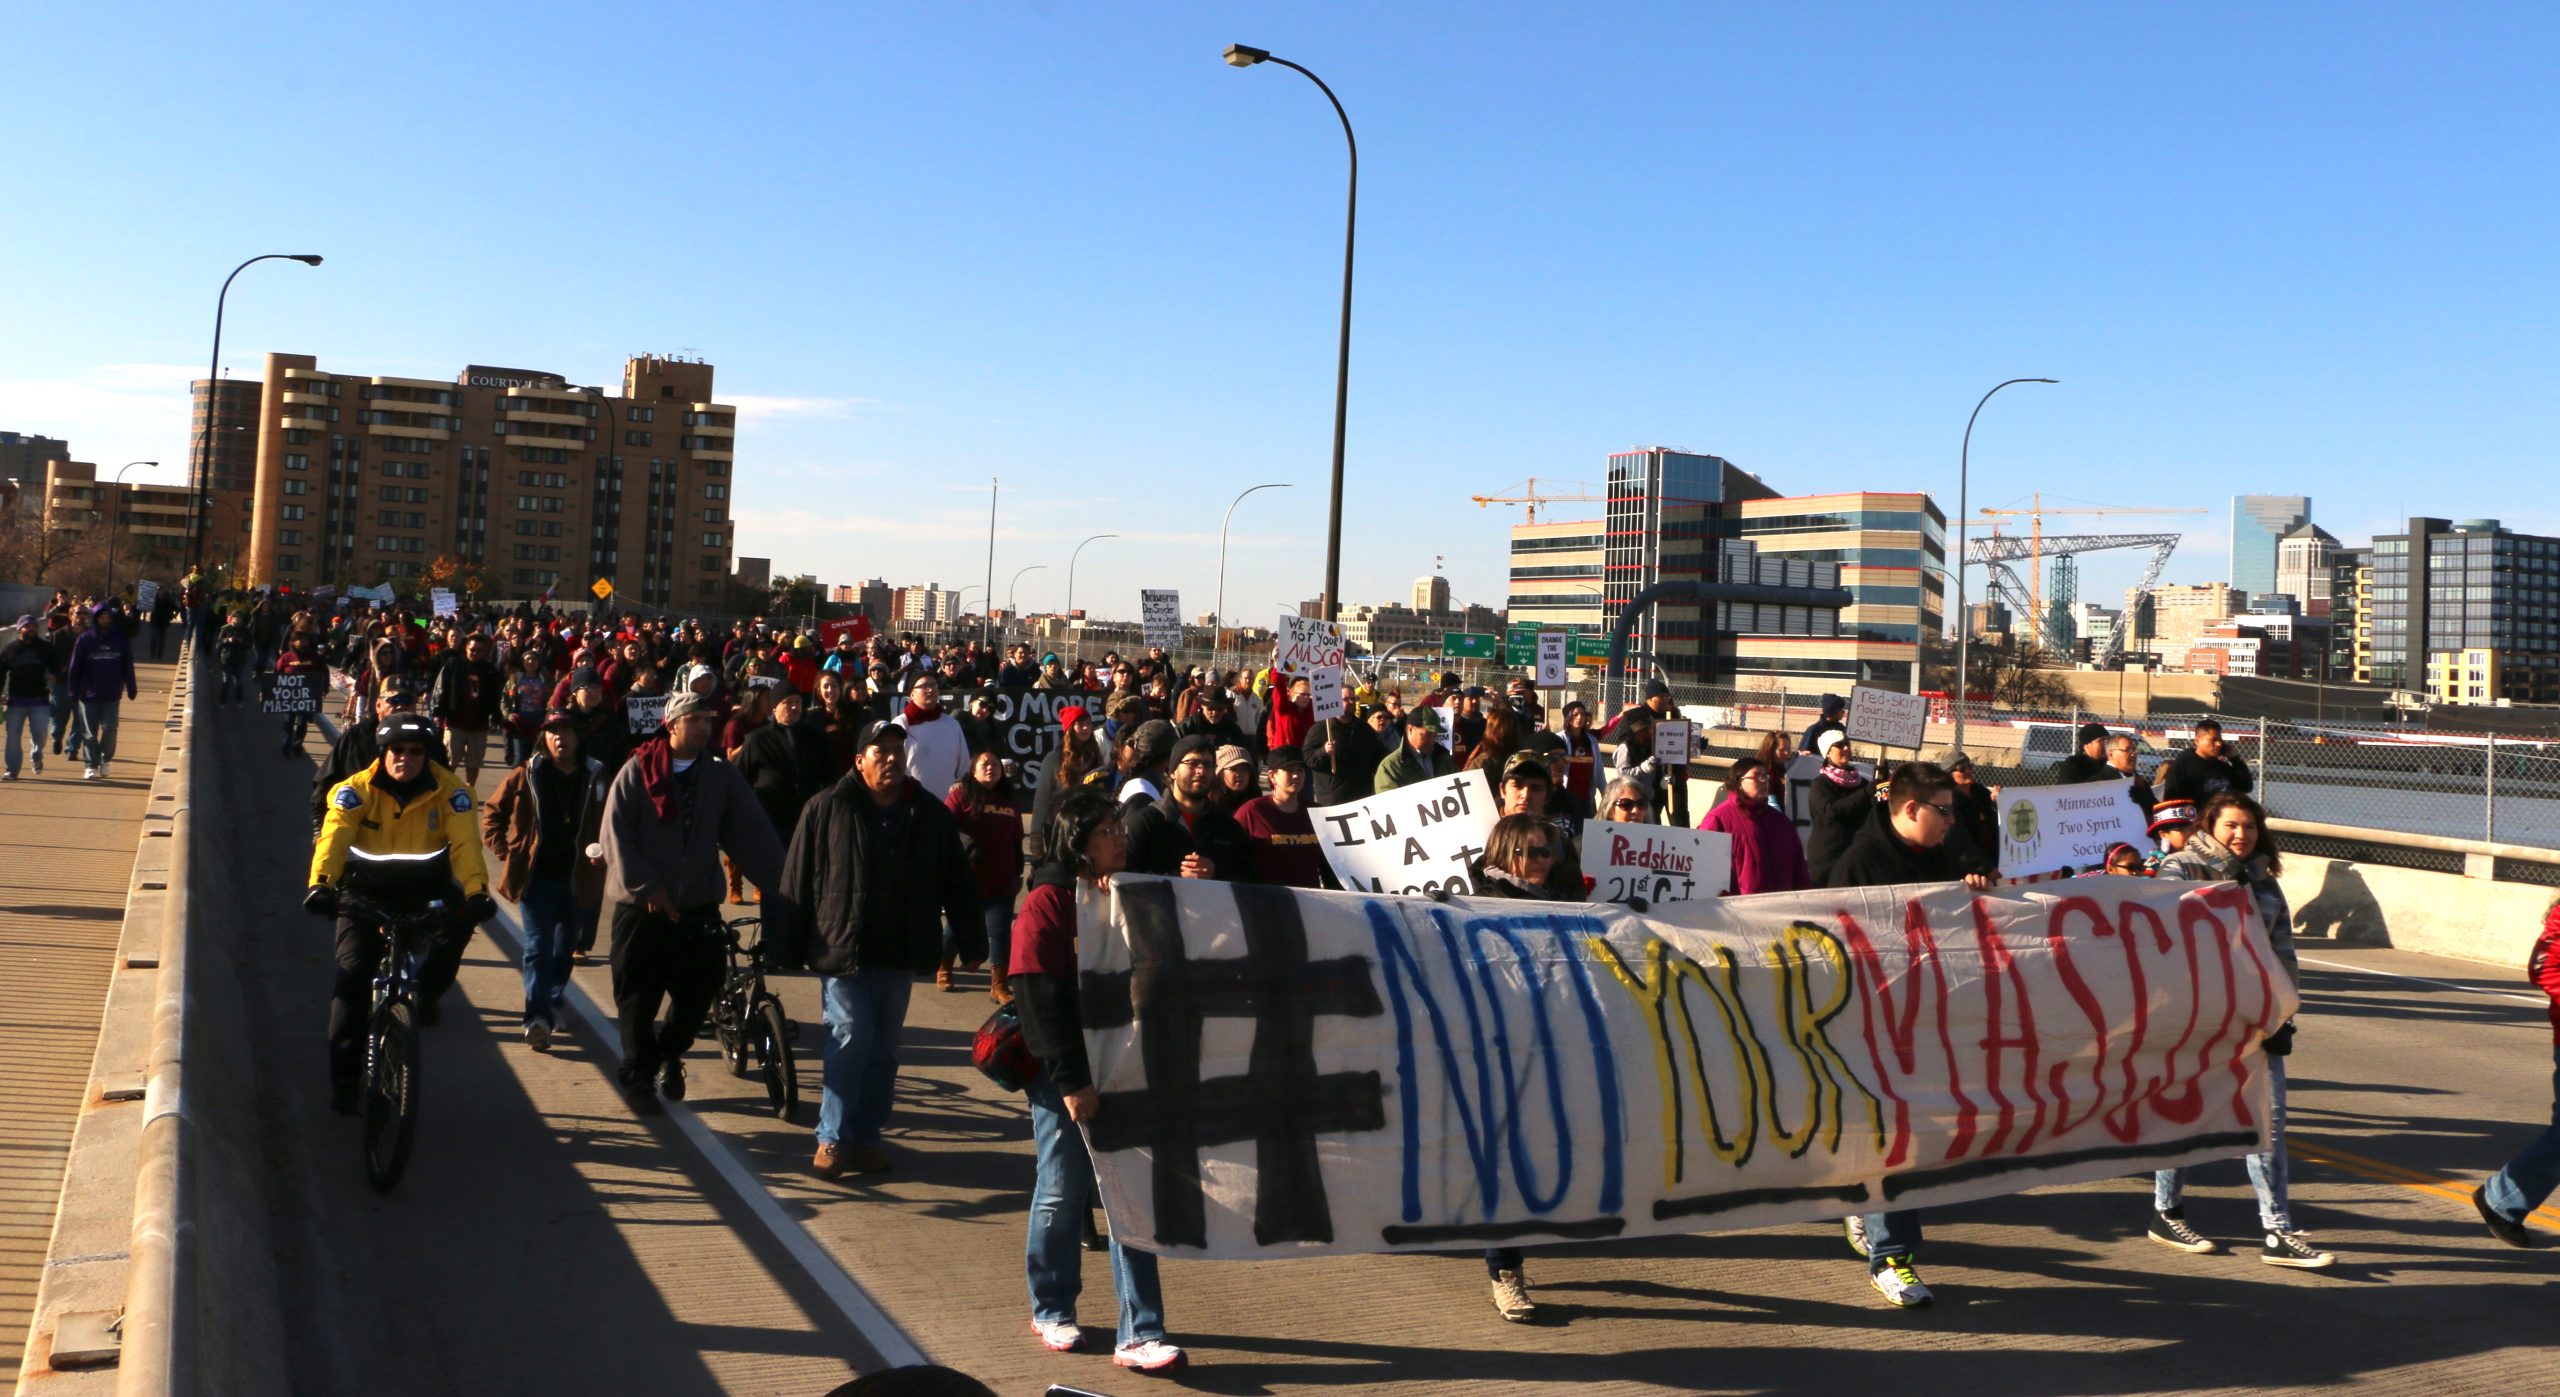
x=404, y=810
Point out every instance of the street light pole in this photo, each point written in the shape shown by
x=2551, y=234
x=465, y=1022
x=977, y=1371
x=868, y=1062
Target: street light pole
x=986, y=624
x=1218, y=618
x=1011, y=589
x=113, y=509
x=1071, y=578
x=1964, y=621
x=1245, y=56
x=213, y=386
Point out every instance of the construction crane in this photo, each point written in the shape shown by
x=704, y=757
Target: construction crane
x=1527, y=493
x=2034, y=514
x=1997, y=552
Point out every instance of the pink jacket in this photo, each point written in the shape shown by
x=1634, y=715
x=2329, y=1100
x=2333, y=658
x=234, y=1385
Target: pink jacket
x=1767, y=855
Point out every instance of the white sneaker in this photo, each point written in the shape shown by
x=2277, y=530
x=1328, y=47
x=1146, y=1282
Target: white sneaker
x=89, y=774
x=8, y=776
x=1856, y=1223
x=1153, y=1356
x=1059, y=1336
x=1899, y=1284
x=1511, y=1296
x=537, y=1035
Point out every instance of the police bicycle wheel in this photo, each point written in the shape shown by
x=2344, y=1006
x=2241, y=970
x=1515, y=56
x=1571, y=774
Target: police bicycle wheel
x=390, y=1096
x=768, y=1039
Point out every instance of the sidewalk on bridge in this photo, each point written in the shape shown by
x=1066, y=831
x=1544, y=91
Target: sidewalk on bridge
x=68, y=846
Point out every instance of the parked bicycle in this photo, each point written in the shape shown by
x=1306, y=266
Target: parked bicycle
x=754, y=1033
x=387, y=1093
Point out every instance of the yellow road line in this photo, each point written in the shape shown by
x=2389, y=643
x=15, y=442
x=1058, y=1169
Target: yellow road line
x=2414, y=1179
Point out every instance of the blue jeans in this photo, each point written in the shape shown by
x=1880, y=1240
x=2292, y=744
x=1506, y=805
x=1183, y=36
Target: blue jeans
x=999, y=914
x=1061, y=1185
x=552, y=921
x=2529, y=1178
x=235, y=677
x=98, y=729
x=2267, y=1172
x=1893, y=1234
x=37, y=716
x=66, y=720
x=866, y=1015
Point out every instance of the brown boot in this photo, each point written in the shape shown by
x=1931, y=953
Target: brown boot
x=942, y=976
x=999, y=987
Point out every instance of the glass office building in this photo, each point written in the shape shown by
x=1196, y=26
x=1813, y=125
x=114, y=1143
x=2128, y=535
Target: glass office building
x=2441, y=589
x=2258, y=526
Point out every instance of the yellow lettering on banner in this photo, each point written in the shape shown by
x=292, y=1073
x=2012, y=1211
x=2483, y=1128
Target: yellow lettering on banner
x=1806, y=1025
x=1659, y=988
x=1746, y=1050
x=1648, y=992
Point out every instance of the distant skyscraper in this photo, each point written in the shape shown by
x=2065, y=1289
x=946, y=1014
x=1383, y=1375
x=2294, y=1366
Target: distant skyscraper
x=1431, y=593
x=2258, y=524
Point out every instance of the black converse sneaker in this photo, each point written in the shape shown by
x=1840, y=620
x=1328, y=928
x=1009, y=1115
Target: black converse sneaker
x=2290, y=1249
x=2170, y=1230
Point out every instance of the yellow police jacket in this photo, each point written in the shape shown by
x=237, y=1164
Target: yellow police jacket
x=362, y=815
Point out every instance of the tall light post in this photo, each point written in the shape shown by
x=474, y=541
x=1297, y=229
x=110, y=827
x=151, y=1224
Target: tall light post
x=987, y=623
x=1015, y=586
x=203, y=474
x=1218, y=618
x=1245, y=56
x=116, y=508
x=1964, y=506
x=1071, y=577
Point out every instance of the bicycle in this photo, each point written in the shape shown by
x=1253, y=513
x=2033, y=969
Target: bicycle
x=754, y=1033
x=387, y=1093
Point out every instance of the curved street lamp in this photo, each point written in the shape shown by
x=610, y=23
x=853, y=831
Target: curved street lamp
x=1964, y=622
x=1011, y=589
x=1071, y=577
x=1245, y=56
x=1218, y=618
x=203, y=474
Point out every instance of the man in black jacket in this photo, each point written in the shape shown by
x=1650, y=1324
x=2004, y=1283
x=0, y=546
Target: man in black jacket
x=1215, y=720
x=1907, y=844
x=1185, y=834
x=875, y=865
x=2205, y=770
x=2087, y=764
x=1343, y=755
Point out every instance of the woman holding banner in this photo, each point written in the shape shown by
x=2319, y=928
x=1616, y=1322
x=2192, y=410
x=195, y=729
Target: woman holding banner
x=1088, y=844
x=2231, y=845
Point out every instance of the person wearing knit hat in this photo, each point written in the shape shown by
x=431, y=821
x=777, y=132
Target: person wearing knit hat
x=1186, y=833
x=1145, y=751
x=1833, y=708
x=2089, y=763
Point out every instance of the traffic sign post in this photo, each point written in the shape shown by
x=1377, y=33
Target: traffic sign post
x=1468, y=645
x=603, y=588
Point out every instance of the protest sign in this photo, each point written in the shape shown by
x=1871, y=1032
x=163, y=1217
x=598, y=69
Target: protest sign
x=764, y=681
x=1552, y=658
x=1161, y=613
x=1022, y=724
x=442, y=599
x=1412, y=839
x=1887, y=718
x=145, y=593
x=1659, y=863
x=1303, y=645
x=647, y=712
x=2063, y=829
x=1325, y=693
x=1398, y=1074
x=1671, y=741
x=829, y=632
x=292, y=693
x=378, y=593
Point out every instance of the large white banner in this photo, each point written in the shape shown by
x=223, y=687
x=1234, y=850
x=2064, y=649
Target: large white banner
x=2066, y=829
x=1160, y=612
x=1659, y=863
x=1412, y=840
x=1291, y=1073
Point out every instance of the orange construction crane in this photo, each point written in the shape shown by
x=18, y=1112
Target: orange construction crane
x=1527, y=493
x=2034, y=515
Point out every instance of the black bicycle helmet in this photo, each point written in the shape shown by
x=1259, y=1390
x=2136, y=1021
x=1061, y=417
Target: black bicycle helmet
x=405, y=727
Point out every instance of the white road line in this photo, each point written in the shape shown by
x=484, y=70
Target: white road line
x=2423, y=980
x=859, y=1309
x=877, y=1329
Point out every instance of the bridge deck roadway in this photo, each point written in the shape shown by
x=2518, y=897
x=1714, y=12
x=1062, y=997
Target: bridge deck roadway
x=545, y=1239
x=66, y=858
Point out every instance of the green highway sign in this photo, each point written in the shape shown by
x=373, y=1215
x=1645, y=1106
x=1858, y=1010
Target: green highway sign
x=1466, y=645
x=1520, y=642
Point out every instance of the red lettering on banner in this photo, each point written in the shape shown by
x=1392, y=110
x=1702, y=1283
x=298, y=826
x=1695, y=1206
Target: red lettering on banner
x=2240, y=901
x=2123, y=1121
x=2121, y=1125
x=2195, y=911
x=2002, y=980
x=1920, y=949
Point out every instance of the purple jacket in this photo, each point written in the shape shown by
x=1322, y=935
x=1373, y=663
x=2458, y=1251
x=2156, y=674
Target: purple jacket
x=1767, y=855
x=101, y=667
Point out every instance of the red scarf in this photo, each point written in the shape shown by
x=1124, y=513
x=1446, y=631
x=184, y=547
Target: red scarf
x=657, y=763
x=917, y=715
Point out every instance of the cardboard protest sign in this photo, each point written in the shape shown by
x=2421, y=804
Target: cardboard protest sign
x=145, y=593
x=1412, y=839
x=1161, y=613
x=442, y=598
x=646, y=712
x=1023, y=723
x=2063, y=829
x=1324, y=692
x=1672, y=739
x=1659, y=863
x=829, y=632
x=1552, y=658
x=1887, y=718
x=292, y=693
x=1303, y=645
x=1290, y=1073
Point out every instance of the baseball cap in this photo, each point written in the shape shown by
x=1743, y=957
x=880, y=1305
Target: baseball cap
x=1233, y=755
x=2170, y=813
x=559, y=718
x=1425, y=718
x=1527, y=766
x=880, y=732
x=1287, y=759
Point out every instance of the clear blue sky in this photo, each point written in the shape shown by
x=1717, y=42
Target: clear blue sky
x=2289, y=249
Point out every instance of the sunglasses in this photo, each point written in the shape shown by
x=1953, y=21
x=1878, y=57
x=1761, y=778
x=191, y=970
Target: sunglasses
x=1537, y=851
x=1626, y=805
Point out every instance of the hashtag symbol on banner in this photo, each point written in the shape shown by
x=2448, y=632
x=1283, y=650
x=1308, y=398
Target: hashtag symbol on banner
x=1281, y=1103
